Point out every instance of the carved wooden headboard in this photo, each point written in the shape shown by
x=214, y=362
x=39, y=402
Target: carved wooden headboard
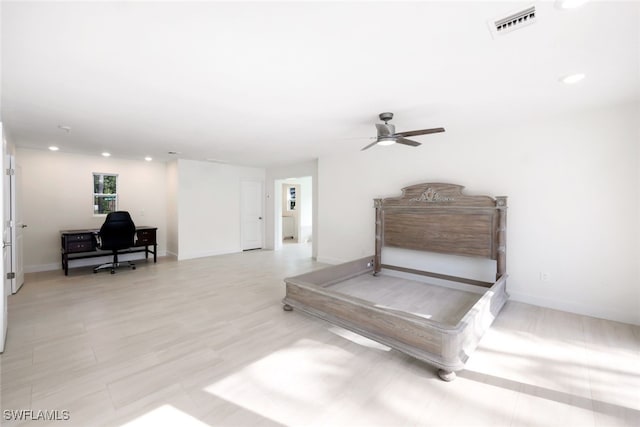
x=437, y=217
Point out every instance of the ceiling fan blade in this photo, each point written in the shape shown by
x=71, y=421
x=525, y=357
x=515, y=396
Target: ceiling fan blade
x=370, y=145
x=358, y=137
x=407, y=142
x=420, y=132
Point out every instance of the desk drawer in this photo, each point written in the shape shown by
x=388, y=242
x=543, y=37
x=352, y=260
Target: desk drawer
x=81, y=237
x=146, y=237
x=80, y=246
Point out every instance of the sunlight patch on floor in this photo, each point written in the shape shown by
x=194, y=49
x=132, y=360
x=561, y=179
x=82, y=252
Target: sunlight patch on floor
x=165, y=415
x=290, y=384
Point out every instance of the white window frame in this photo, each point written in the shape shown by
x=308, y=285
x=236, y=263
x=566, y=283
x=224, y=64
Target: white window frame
x=93, y=198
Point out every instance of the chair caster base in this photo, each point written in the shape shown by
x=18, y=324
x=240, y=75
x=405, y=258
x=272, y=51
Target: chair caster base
x=112, y=267
x=287, y=307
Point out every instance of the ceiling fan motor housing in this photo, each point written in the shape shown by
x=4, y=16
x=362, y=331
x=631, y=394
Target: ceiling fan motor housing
x=385, y=130
x=385, y=117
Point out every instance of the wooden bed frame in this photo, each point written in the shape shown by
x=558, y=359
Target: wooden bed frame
x=439, y=325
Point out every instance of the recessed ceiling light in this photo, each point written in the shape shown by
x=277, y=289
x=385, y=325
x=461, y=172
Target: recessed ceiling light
x=572, y=78
x=54, y=148
x=105, y=154
x=570, y=4
x=148, y=159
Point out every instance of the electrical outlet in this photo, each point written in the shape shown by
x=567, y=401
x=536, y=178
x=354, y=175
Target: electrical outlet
x=370, y=263
x=544, y=276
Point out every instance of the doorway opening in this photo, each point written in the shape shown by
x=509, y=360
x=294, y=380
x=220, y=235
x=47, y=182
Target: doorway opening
x=294, y=212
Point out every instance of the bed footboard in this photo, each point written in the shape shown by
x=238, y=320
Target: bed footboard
x=444, y=346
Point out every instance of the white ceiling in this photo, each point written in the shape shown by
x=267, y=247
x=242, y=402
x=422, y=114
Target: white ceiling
x=267, y=83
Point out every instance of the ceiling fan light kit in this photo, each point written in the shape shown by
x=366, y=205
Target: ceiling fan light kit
x=387, y=134
x=386, y=141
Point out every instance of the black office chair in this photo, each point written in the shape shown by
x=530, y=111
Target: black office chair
x=116, y=234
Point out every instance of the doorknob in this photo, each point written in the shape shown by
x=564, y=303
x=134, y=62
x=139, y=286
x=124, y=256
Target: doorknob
x=259, y=217
x=5, y=244
x=23, y=225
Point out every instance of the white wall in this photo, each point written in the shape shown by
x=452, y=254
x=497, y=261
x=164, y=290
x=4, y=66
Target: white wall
x=573, y=212
x=274, y=179
x=58, y=195
x=209, y=207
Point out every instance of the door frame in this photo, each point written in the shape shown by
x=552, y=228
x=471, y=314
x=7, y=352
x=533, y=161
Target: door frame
x=6, y=238
x=16, y=243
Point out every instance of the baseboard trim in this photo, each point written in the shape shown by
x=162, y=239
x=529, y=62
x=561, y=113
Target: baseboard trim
x=329, y=260
x=42, y=267
x=182, y=257
x=576, y=308
x=87, y=262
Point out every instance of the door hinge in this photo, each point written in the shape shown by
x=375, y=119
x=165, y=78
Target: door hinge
x=10, y=172
x=11, y=275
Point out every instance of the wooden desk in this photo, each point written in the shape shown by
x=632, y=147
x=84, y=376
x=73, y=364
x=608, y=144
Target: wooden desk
x=81, y=244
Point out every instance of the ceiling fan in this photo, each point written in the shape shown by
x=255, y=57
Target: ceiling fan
x=387, y=133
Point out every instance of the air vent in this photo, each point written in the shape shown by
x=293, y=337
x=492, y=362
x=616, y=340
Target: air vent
x=513, y=21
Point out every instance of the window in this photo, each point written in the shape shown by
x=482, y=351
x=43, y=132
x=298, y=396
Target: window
x=105, y=193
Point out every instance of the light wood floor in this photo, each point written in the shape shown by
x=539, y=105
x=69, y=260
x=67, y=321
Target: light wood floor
x=205, y=342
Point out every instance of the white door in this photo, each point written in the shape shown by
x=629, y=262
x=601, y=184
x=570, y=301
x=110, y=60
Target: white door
x=251, y=211
x=6, y=238
x=19, y=225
